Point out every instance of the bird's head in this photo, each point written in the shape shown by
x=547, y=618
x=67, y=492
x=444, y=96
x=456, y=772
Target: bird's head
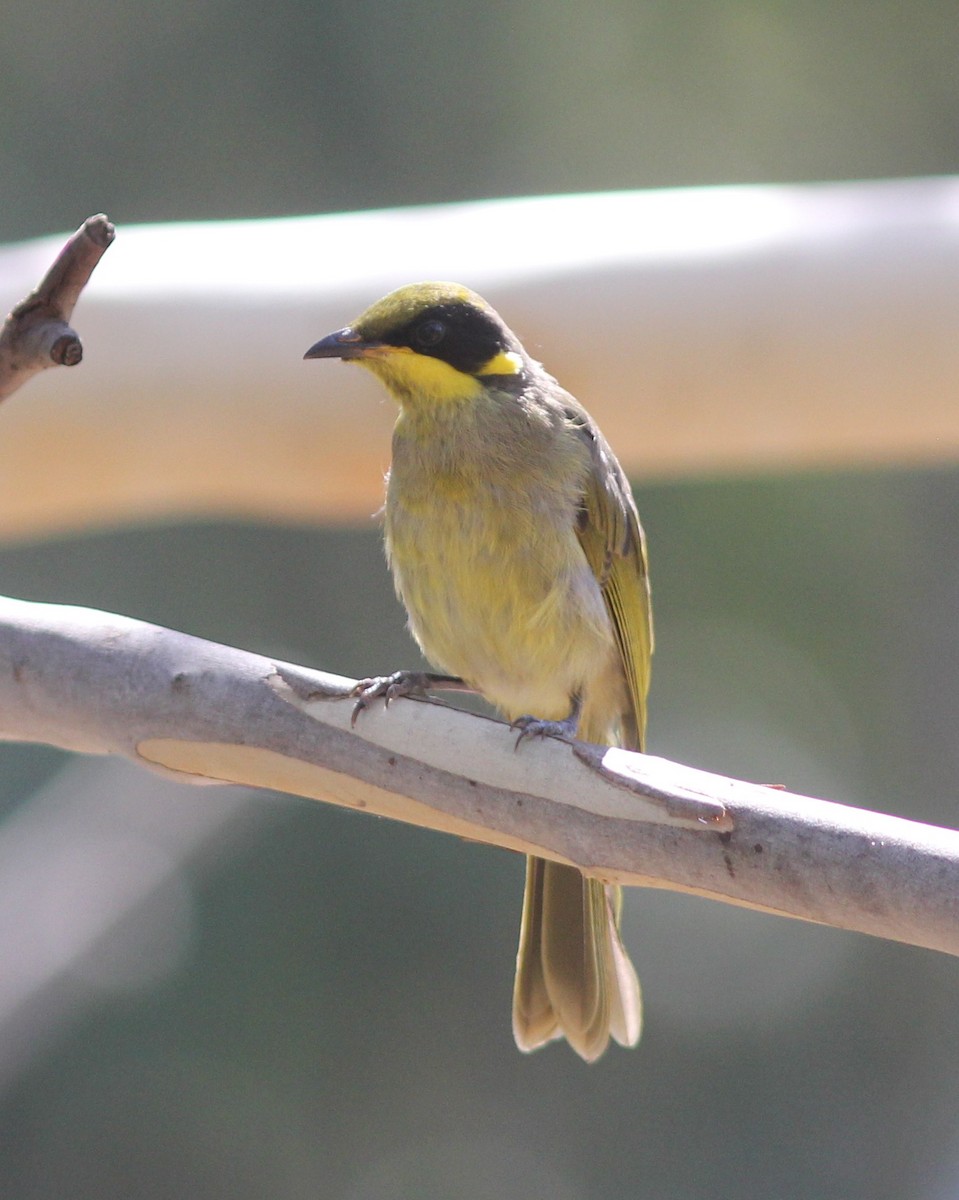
x=429, y=343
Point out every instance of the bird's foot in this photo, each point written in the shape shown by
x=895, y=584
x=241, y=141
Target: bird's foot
x=535, y=727
x=393, y=687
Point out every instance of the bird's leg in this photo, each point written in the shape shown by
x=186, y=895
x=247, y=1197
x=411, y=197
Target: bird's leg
x=565, y=730
x=402, y=683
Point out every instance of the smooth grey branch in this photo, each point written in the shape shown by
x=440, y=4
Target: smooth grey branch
x=105, y=684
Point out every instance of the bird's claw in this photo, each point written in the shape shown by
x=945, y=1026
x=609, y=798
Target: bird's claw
x=386, y=688
x=535, y=727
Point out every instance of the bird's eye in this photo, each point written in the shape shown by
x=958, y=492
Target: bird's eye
x=430, y=333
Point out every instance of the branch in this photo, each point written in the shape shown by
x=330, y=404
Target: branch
x=790, y=327
x=37, y=333
x=105, y=684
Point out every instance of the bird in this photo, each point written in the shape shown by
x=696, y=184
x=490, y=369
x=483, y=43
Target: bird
x=516, y=548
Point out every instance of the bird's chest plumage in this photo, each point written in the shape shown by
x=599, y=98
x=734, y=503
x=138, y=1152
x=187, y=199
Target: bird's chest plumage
x=481, y=537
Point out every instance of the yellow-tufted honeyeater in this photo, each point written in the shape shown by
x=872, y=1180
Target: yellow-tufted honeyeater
x=516, y=548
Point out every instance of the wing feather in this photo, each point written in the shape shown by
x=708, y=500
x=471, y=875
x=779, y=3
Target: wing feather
x=612, y=539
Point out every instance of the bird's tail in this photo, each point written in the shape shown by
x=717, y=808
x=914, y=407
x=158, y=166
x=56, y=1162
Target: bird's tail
x=573, y=977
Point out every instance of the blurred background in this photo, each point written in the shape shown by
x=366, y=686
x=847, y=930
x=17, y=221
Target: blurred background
x=222, y=993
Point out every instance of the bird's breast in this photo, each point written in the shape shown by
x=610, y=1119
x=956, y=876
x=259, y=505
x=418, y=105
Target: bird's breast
x=485, y=557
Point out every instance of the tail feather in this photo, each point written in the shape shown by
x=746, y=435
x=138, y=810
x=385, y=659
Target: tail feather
x=625, y=998
x=534, y=1022
x=573, y=978
x=573, y=949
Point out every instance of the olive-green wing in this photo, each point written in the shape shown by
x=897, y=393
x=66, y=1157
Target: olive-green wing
x=615, y=547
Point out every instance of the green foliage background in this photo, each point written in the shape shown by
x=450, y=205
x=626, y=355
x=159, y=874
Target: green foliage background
x=336, y=1022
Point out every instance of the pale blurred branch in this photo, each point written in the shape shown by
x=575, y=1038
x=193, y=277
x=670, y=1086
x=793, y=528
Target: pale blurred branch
x=37, y=333
x=709, y=330
x=106, y=684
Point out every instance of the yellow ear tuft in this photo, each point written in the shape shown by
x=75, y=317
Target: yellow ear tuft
x=507, y=362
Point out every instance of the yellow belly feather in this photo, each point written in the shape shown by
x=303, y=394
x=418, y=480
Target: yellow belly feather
x=492, y=574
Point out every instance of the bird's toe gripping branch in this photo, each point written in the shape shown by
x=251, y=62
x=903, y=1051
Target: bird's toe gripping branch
x=566, y=730
x=401, y=683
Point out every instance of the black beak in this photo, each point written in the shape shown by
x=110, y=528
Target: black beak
x=345, y=343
